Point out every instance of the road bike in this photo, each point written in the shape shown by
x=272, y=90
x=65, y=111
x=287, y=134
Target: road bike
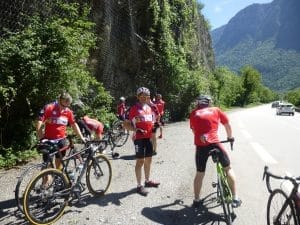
x=282, y=208
x=224, y=194
x=48, y=147
x=49, y=192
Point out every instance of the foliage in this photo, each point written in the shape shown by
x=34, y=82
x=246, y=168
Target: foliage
x=36, y=64
x=293, y=97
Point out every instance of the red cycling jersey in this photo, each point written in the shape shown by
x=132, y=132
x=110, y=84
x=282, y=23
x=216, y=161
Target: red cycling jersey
x=141, y=117
x=160, y=106
x=93, y=125
x=56, y=121
x=205, y=122
x=121, y=109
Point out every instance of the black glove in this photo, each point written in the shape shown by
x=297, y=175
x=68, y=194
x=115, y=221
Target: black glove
x=230, y=139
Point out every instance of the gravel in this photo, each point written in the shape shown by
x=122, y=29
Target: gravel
x=169, y=204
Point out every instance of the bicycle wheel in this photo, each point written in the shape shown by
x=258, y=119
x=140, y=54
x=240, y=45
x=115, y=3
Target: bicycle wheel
x=24, y=180
x=119, y=134
x=277, y=203
x=98, y=175
x=222, y=199
x=46, y=197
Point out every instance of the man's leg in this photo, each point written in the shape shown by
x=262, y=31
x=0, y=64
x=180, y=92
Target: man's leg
x=147, y=167
x=232, y=183
x=231, y=179
x=198, y=184
x=138, y=170
x=154, y=142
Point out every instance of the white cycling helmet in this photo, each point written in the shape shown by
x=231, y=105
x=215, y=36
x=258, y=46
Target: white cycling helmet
x=122, y=99
x=143, y=90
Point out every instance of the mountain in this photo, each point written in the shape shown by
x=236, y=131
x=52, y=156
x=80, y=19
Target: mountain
x=266, y=36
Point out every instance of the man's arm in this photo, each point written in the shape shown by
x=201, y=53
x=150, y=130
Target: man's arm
x=77, y=131
x=128, y=125
x=39, y=129
x=228, y=130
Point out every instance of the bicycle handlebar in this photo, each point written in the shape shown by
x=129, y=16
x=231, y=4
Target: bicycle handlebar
x=231, y=140
x=267, y=174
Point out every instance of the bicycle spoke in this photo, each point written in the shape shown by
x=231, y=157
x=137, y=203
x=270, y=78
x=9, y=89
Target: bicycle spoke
x=279, y=211
x=98, y=175
x=44, y=202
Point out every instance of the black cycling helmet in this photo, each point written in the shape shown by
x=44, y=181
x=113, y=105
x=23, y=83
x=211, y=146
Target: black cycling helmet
x=204, y=100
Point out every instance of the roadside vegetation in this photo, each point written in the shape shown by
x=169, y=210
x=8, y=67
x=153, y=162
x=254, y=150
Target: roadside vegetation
x=50, y=54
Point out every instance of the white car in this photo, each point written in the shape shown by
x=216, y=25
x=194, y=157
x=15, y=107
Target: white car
x=285, y=108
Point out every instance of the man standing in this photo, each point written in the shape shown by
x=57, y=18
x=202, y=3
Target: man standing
x=121, y=109
x=55, y=117
x=161, y=109
x=204, y=121
x=141, y=123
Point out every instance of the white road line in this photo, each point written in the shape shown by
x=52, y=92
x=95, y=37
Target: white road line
x=246, y=134
x=263, y=154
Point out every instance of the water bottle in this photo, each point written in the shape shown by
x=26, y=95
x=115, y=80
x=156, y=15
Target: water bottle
x=71, y=176
x=79, y=168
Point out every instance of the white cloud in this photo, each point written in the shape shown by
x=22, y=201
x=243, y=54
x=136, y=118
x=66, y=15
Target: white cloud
x=218, y=9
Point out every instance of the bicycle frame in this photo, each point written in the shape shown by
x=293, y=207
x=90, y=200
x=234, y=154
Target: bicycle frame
x=90, y=157
x=224, y=193
x=290, y=200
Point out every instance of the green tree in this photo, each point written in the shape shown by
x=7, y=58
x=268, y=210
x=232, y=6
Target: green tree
x=40, y=61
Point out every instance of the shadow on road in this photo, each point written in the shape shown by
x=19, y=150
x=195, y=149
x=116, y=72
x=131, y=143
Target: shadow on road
x=186, y=214
x=8, y=209
x=110, y=198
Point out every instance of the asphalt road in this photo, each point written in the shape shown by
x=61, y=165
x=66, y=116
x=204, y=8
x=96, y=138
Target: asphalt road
x=262, y=138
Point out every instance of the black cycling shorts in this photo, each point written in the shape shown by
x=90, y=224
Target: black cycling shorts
x=143, y=148
x=59, y=144
x=202, y=154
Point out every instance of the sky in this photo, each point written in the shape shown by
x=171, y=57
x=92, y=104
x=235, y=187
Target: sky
x=219, y=12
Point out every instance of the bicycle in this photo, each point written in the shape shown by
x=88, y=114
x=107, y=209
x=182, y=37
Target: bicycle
x=120, y=134
x=224, y=194
x=282, y=208
x=45, y=202
x=115, y=136
x=44, y=146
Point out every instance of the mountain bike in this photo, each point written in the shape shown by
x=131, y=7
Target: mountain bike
x=282, y=208
x=224, y=194
x=49, y=148
x=45, y=202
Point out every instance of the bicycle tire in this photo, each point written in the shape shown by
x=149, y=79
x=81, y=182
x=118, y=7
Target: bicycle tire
x=119, y=134
x=275, y=204
x=46, y=205
x=224, y=203
x=24, y=180
x=98, y=175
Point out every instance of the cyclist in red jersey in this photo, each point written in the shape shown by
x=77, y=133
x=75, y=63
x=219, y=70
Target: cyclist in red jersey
x=161, y=109
x=88, y=126
x=156, y=125
x=121, y=109
x=141, y=123
x=55, y=117
x=204, y=121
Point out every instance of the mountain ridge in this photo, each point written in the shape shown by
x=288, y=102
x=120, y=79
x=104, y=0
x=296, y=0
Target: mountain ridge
x=265, y=36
